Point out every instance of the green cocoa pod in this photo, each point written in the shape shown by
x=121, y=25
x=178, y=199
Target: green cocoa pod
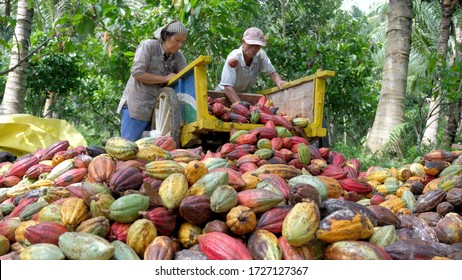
x=125, y=209
x=42, y=251
x=85, y=246
x=123, y=251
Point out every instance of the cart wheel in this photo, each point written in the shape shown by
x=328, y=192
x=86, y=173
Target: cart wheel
x=166, y=119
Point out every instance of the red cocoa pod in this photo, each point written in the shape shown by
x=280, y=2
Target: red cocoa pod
x=129, y=178
x=276, y=143
x=21, y=206
x=248, y=138
x=101, y=169
x=21, y=166
x=290, y=252
x=234, y=177
x=272, y=219
x=278, y=182
x=51, y=150
x=334, y=171
x=9, y=181
x=34, y=171
x=8, y=228
x=70, y=177
x=324, y=152
x=240, y=109
x=265, y=132
x=162, y=218
x=45, y=232
x=339, y=160
x=165, y=142
x=357, y=185
x=227, y=148
x=118, y=231
x=221, y=246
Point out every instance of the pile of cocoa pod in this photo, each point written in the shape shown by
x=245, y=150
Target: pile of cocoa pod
x=264, y=195
x=263, y=111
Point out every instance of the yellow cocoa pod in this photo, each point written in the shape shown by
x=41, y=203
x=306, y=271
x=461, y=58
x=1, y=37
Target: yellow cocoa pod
x=188, y=233
x=161, y=169
x=301, y=223
x=19, y=232
x=140, y=234
x=151, y=152
x=195, y=170
x=344, y=225
x=121, y=148
x=73, y=212
x=173, y=189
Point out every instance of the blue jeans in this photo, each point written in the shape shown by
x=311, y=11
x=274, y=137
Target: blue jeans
x=131, y=128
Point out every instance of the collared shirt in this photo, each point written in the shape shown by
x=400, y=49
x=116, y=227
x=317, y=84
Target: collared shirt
x=149, y=58
x=243, y=77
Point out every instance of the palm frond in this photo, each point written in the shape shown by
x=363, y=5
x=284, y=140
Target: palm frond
x=394, y=143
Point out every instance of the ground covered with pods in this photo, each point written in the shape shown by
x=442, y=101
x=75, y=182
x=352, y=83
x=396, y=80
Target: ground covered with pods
x=264, y=195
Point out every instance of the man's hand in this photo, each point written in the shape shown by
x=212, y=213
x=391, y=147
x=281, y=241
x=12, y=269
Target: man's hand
x=169, y=76
x=280, y=83
x=232, y=62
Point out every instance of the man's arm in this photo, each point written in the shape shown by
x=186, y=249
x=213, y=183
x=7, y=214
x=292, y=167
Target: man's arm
x=231, y=94
x=277, y=79
x=152, y=79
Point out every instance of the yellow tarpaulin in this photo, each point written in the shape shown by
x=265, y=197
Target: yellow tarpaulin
x=22, y=133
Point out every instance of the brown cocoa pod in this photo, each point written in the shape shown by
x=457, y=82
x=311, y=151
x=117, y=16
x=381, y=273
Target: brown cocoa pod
x=301, y=191
x=196, y=209
x=264, y=245
x=129, y=178
x=331, y=205
x=216, y=225
x=417, y=187
x=385, y=216
x=449, y=229
x=454, y=196
x=161, y=248
x=429, y=200
x=414, y=250
x=418, y=227
x=431, y=218
x=444, y=207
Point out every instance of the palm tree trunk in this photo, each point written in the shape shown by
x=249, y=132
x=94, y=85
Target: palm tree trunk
x=455, y=107
x=454, y=114
x=13, y=98
x=390, y=110
x=430, y=135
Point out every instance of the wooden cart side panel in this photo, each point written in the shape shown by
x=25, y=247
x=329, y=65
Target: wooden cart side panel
x=297, y=101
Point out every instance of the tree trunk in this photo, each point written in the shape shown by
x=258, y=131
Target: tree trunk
x=49, y=103
x=430, y=137
x=13, y=99
x=455, y=107
x=390, y=110
x=454, y=114
x=448, y=7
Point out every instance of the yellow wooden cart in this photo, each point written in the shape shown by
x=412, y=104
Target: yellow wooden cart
x=182, y=108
